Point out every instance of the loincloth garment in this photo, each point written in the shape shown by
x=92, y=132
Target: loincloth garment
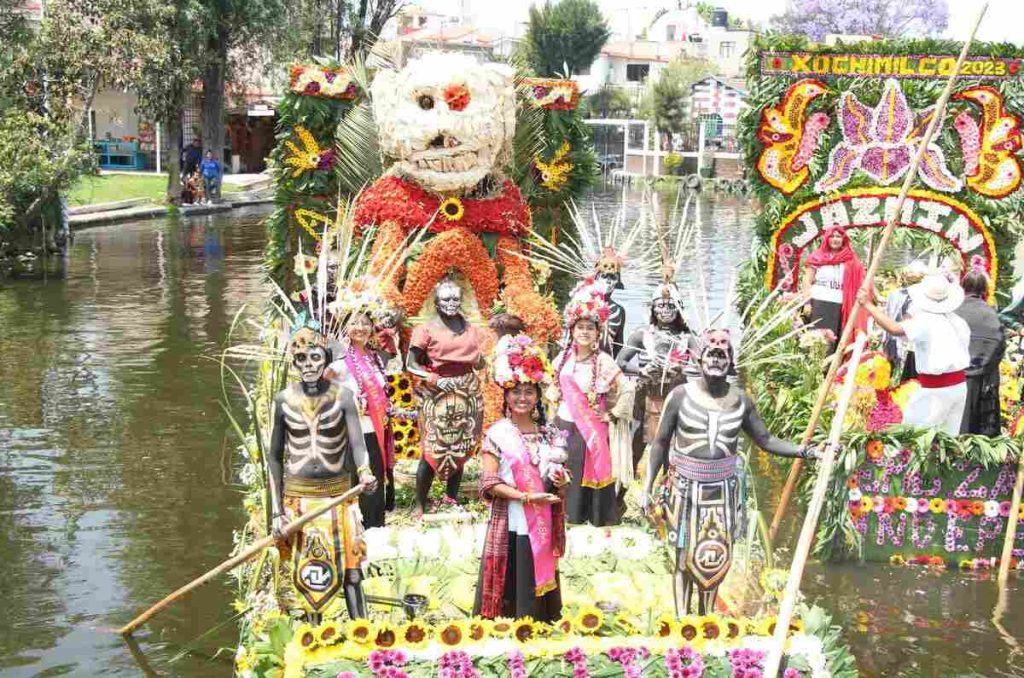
x=315, y=558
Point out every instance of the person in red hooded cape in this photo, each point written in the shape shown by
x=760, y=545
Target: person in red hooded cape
x=834, y=274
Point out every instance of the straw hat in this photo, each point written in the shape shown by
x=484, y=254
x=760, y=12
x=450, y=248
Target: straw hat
x=936, y=293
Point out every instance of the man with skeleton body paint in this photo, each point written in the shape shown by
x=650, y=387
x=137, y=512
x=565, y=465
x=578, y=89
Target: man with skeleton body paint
x=696, y=445
x=315, y=445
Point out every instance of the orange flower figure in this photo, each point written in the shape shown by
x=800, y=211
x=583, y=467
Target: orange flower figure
x=875, y=449
x=457, y=97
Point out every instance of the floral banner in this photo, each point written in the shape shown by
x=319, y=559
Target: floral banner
x=317, y=81
x=551, y=93
x=947, y=218
x=951, y=518
x=803, y=64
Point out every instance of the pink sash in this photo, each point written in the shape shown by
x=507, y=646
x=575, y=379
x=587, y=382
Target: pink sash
x=597, y=461
x=362, y=369
x=538, y=518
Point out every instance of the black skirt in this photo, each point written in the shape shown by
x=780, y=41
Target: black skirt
x=518, y=599
x=599, y=507
x=373, y=505
x=827, y=315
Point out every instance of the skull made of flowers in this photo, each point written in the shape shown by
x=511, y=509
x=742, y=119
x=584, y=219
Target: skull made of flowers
x=446, y=119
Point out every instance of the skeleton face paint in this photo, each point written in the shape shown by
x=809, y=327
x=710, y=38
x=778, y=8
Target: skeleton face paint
x=715, y=362
x=665, y=311
x=611, y=280
x=311, y=363
x=449, y=300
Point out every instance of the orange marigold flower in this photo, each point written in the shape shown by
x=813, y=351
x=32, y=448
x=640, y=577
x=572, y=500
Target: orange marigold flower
x=875, y=449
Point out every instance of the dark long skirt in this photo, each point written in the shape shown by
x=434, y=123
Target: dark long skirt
x=518, y=599
x=827, y=315
x=981, y=412
x=373, y=506
x=599, y=507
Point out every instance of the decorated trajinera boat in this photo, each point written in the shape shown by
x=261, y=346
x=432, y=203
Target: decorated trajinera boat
x=416, y=308
x=829, y=137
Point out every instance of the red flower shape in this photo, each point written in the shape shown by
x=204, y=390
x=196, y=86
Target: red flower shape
x=515, y=359
x=457, y=97
x=532, y=365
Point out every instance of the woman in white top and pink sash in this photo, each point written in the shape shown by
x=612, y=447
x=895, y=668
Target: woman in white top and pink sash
x=593, y=397
x=523, y=473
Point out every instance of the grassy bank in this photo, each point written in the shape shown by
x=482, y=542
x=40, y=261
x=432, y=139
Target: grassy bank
x=91, y=190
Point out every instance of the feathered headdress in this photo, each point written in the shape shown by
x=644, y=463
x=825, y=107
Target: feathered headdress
x=518, y=360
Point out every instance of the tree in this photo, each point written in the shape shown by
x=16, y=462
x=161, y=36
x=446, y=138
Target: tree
x=665, y=99
x=337, y=28
x=886, y=18
x=563, y=39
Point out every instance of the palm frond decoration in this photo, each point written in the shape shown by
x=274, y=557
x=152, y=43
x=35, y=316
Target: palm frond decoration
x=359, y=157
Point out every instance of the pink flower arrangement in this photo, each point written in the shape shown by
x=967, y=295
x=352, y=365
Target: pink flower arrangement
x=684, y=663
x=588, y=301
x=518, y=360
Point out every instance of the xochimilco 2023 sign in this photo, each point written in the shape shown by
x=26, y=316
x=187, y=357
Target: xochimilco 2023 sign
x=831, y=133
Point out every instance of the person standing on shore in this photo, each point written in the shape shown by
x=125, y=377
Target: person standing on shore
x=211, y=171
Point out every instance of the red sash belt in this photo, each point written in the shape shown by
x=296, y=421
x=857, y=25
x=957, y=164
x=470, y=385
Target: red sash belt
x=942, y=380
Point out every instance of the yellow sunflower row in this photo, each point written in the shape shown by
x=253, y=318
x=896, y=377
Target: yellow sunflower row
x=358, y=638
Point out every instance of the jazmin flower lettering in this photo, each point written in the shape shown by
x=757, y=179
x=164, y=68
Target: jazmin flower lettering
x=881, y=141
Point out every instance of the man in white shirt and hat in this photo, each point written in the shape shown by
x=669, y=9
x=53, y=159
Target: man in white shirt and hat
x=940, y=340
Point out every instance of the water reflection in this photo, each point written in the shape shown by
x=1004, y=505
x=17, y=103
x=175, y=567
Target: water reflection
x=114, y=458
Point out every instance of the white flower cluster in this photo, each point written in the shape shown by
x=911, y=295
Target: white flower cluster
x=466, y=541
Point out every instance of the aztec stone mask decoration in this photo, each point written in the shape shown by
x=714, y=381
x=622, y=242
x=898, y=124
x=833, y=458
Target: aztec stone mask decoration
x=446, y=119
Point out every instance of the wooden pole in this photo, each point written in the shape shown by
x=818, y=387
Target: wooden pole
x=774, y=659
x=869, y=278
x=1011, y=526
x=235, y=561
x=828, y=459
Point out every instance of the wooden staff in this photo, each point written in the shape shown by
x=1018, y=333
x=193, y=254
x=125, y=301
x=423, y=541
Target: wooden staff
x=869, y=277
x=235, y=561
x=1011, y=526
x=803, y=549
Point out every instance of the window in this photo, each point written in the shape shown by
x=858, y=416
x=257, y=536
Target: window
x=637, y=72
x=712, y=125
x=670, y=33
x=726, y=49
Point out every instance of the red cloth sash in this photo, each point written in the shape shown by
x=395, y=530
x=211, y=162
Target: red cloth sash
x=362, y=369
x=597, y=462
x=942, y=380
x=508, y=440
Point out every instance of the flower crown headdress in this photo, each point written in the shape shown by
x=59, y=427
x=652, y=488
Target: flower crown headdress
x=519, y=360
x=588, y=301
x=357, y=296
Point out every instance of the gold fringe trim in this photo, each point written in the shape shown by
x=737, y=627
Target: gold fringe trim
x=313, y=487
x=597, y=485
x=544, y=589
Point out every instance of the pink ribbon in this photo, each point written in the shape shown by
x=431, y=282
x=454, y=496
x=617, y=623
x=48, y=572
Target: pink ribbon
x=508, y=440
x=364, y=372
x=597, y=461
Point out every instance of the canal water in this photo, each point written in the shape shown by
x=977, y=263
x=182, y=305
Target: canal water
x=116, y=481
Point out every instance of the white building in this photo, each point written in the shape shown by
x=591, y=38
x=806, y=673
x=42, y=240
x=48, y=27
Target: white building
x=670, y=35
x=718, y=101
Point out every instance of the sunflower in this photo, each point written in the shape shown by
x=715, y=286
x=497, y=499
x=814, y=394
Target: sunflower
x=689, y=628
x=524, y=629
x=501, y=627
x=414, y=635
x=767, y=626
x=452, y=209
x=328, y=633
x=477, y=628
x=387, y=635
x=665, y=626
x=359, y=631
x=937, y=505
x=307, y=637
x=564, y=625
x=866, y=504
x=452, y=634
x=733, y=628
x=711, y=627
x=628, y=624
x=589, y=619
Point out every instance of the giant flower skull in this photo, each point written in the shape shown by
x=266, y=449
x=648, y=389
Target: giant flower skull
x=446, y=119
x=882, y=141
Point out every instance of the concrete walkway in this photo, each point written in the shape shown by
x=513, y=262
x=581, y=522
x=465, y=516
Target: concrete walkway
x=130, y=210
